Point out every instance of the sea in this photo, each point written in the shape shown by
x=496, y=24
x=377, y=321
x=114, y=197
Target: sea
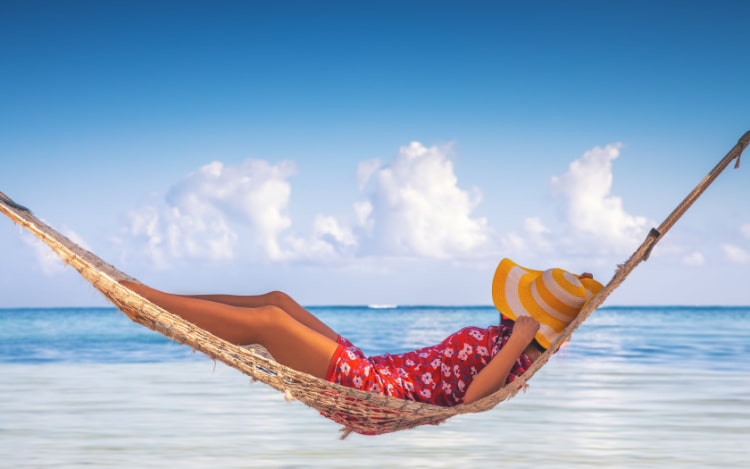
x=635, y=387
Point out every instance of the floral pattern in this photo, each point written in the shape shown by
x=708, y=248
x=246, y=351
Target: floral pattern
x=438, y=374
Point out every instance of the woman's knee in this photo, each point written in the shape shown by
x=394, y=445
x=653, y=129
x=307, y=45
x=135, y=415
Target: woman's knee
x=277, y=298
x=272, y=320
x=269, y=314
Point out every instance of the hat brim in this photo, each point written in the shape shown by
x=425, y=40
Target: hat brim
x=511, y=278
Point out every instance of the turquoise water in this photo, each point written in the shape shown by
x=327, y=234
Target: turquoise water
x=637, y=386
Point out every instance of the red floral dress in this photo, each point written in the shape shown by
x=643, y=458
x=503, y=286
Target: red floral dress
x=439, y=374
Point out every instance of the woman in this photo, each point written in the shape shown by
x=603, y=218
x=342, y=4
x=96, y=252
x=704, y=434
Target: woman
x=466, y=366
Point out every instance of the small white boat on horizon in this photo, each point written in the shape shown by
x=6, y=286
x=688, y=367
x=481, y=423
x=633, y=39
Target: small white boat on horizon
x=382, y=306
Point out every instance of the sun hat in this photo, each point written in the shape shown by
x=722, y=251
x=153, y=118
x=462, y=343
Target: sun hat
x=553, y=297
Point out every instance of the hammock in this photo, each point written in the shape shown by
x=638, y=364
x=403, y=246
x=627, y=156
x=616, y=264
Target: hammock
x=358, y=411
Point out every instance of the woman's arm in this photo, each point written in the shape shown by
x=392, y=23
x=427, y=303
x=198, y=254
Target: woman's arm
x=494, y=375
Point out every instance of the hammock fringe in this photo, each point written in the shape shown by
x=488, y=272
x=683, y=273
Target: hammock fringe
x=358, y=411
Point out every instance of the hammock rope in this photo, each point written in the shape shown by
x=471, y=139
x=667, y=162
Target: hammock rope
x=358, y=411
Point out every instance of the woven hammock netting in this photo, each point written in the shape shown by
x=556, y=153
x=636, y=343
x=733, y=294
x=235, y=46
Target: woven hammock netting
x=357, y=411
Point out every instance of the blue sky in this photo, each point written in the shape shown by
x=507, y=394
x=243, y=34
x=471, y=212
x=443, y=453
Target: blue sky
x=354, y=153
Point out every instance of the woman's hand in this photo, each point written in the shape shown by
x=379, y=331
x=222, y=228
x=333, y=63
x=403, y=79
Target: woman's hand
x=525, y=329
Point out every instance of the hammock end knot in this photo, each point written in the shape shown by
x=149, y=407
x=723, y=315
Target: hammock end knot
x=654, y=235
x=742, y=144
x=12, y=204
x=745, y=140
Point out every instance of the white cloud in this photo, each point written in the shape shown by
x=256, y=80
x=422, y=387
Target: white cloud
x=200, y=215
x=694, y=259
x=595, y=224
x=513, y=244
x=736, y=254
x=49, y=262
x=415, y=207
x=365, y=170
x=327, y=226
x=538, y=234
x=536, y=239
x=595, y=217
x=330, y=239
x=534, y=225
x=362, y=212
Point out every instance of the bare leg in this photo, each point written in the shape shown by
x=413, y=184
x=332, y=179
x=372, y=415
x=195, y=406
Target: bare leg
x=291, y=342
x=274, y=298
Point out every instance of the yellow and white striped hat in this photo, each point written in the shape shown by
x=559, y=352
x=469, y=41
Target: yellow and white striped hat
x=553, y=297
